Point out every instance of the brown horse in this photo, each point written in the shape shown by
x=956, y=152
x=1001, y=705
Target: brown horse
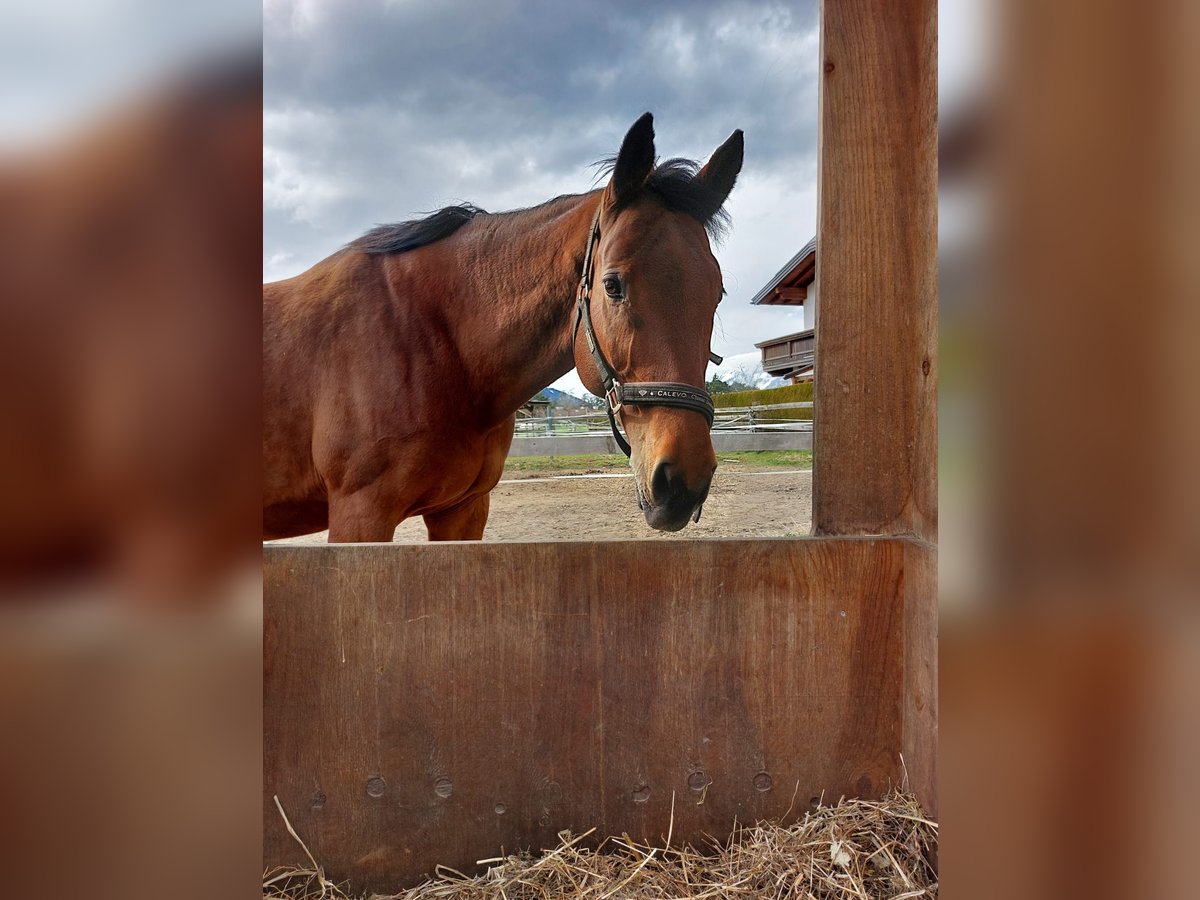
x=393, y=370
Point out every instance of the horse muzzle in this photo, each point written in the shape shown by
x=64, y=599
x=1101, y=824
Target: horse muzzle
x=671, y=501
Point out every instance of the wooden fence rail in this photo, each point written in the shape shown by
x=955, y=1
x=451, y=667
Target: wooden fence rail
x=602, y=442
x=736, y=418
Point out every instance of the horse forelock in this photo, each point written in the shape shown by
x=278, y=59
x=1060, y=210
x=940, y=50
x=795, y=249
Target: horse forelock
x=674, y=183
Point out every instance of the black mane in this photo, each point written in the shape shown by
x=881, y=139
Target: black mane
x=673, y=182
x=403, y=236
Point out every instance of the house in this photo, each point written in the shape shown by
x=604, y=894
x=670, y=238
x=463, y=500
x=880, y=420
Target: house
x=537, y=408
x=793, y=356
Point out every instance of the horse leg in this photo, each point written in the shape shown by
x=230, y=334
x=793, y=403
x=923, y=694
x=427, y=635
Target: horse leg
x=361, y=517
x=463, y=522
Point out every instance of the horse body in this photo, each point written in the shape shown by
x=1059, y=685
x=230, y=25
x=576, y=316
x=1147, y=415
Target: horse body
x=393, y=369
x=365, y=422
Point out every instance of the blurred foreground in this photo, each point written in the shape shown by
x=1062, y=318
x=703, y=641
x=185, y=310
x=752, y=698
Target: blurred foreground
x=129, y=346
x=1070, y=453
x=130, y=583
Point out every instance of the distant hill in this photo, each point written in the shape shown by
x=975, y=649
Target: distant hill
x=563, y=400
x=745, y=369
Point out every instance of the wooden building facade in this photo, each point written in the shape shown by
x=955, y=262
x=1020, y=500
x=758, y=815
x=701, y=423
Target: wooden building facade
x=793, y=356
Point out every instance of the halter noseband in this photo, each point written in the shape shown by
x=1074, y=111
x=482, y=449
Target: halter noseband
x=645, y=393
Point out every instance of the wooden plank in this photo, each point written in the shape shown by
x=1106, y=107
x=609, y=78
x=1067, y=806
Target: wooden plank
x=875, y=458
x=432, y=704
x=791, y=295
x=920, y=738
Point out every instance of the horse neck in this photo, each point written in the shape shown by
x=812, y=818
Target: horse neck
x=522, y=270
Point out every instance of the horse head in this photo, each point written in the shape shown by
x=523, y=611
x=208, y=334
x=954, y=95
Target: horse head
x=655, y=295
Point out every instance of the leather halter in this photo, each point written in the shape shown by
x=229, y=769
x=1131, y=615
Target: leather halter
x=643, y=393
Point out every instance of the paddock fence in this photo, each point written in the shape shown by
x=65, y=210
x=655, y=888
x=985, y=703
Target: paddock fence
x=775, y=426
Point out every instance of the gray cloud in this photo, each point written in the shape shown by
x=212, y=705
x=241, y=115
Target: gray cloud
x=376, y=111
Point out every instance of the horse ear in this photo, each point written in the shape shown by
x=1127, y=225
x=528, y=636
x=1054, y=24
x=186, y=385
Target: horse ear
x=634, y=161
x=721, y=171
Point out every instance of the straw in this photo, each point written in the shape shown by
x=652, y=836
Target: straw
x=854, y=849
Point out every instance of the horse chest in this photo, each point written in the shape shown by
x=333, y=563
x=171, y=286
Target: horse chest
x=463, y=465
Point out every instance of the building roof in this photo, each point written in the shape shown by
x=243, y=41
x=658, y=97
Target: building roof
x=797, y=372
x=806, y=333
x=789, y=285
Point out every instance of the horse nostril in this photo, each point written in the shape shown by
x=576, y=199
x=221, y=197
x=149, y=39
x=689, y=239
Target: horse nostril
x=664, y=481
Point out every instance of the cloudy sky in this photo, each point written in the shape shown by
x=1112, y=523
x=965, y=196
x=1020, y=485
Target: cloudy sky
x=379, y=111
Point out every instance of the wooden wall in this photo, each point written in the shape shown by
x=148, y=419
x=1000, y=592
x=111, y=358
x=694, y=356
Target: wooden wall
x=433, y=704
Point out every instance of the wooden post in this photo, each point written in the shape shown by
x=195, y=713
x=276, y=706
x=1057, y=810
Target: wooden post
x=875, y=445
x=875, y=428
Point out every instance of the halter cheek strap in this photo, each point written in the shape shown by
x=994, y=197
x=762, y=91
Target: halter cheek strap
x=616, y=394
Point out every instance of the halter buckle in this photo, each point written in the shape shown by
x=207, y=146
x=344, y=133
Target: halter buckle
x=613, y=396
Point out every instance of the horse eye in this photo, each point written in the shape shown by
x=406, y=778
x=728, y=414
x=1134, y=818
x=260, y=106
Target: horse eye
x=612, y=286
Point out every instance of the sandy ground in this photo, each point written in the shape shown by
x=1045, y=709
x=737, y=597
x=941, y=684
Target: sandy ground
x=567, y=508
